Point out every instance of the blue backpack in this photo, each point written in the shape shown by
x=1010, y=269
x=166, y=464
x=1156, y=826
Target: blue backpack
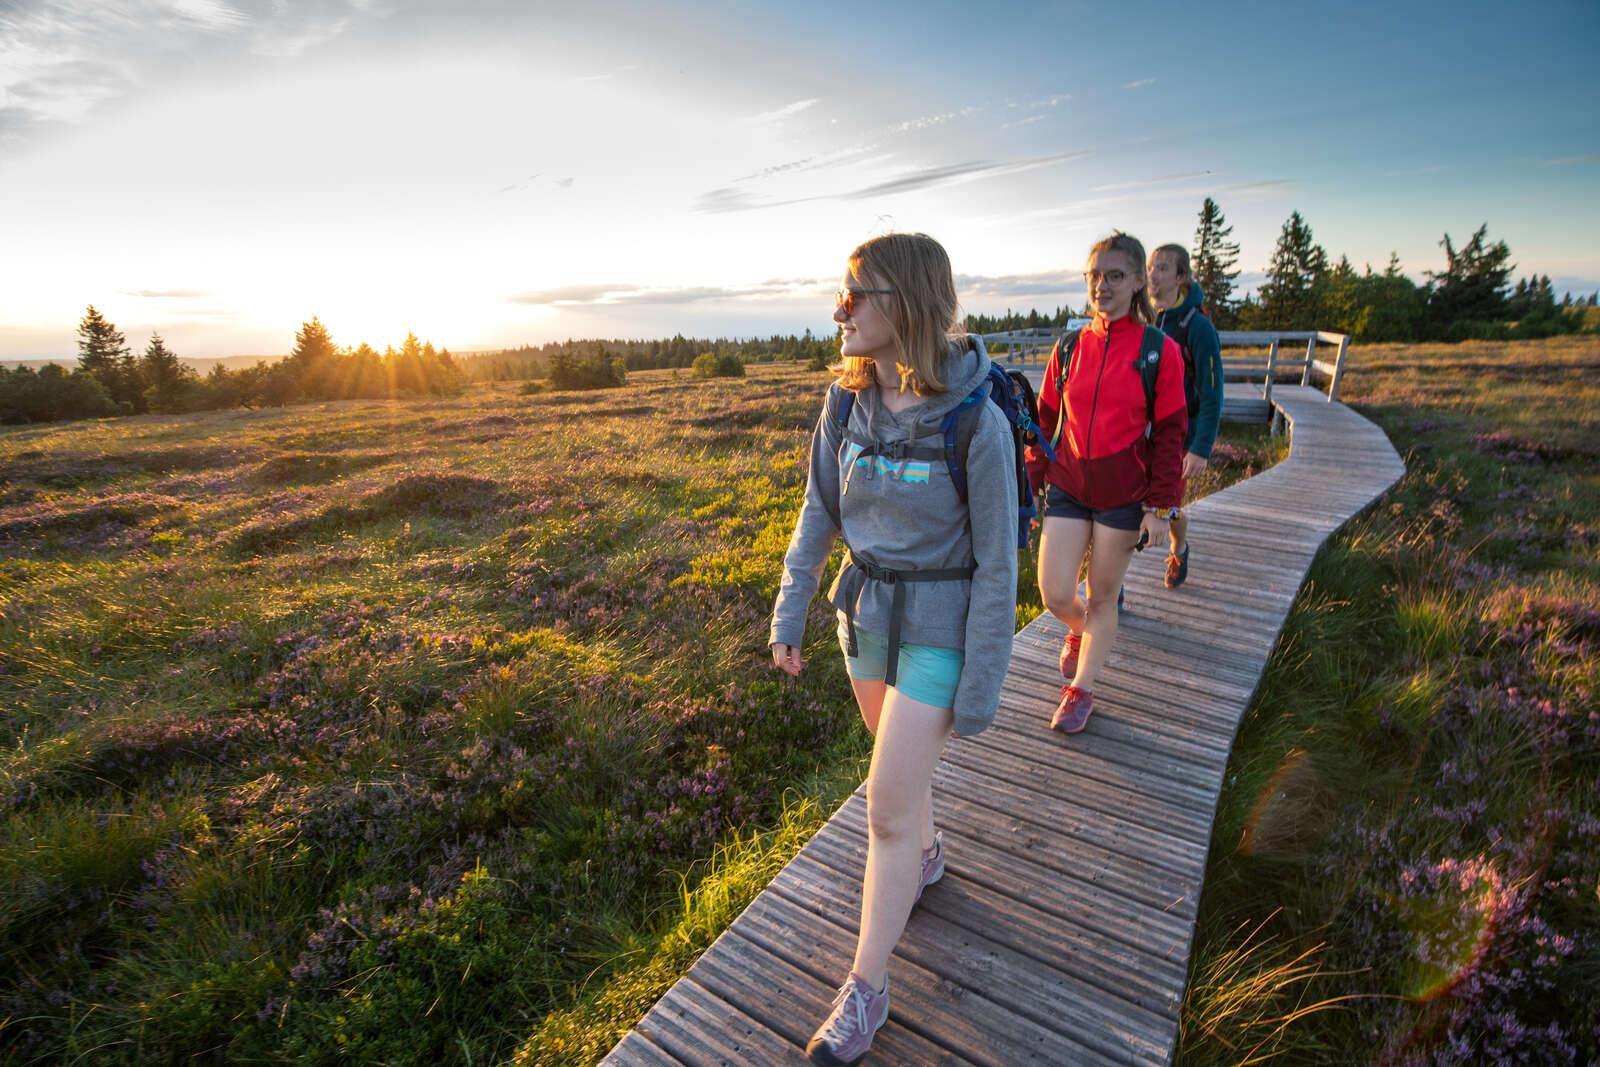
x=1009, y=391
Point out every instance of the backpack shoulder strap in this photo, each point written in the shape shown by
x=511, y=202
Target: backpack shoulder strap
x=1150, y=368
x=957, y=427
x=840, y=403
x=1064, y=349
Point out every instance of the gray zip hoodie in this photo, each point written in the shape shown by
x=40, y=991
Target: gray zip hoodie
x=906, y=515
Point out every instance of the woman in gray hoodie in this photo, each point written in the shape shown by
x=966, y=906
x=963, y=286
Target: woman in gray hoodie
x=926, y=597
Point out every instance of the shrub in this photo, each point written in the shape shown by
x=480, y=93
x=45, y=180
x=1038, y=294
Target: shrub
x=595, y=371
x=711, y=365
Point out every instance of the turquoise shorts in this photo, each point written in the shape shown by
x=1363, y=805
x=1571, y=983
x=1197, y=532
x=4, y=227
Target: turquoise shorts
x=925, y=672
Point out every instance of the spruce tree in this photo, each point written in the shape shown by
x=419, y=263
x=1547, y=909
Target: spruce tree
x=166, y=380
x=1472, y=286
x=1214, y=254
x=103, y=354
x=311, y=367
x=1288, y=297
x=100, y=346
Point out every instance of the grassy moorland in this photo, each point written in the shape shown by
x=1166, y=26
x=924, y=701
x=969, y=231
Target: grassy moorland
x=401, y=732
x=1406, y=864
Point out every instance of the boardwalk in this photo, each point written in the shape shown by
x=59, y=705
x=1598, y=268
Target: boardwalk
x=1061, y=932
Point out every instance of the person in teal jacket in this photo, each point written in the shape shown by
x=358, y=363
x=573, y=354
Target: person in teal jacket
x=1179, y=314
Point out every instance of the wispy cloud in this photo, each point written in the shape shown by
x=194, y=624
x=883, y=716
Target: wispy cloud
x=821, y=161
x=59, y=61
x=784, y=112
x=931, y=120
x=1573, y=161
x=718, y=201
x=614, y=295
x=1140, y=84
x=604, y=75
x=533, y=181
x=955, y=174
x=1022, y=122
x=1057, y=283
x=1162, y=180
x=167, y=294
x=212, y=15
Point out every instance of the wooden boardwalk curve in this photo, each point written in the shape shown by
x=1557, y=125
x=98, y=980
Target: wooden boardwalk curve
x=1061, y=932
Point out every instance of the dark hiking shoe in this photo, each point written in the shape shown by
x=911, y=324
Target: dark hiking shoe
x=1069, y=654
x=1178, y=568
x=846, y=1034
x=1072, y=714
x=932, y=865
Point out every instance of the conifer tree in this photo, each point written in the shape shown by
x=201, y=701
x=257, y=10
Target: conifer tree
x=1288, y=297
x=100, y=347
x=1471, y=288
x=166, y=380
x=1214, y=254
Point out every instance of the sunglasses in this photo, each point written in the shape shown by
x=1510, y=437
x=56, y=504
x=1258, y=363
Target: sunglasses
x=846, y=298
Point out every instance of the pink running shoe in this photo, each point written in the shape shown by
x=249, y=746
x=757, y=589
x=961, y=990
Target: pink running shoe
x=1072, y=714
x=846, y=1034
x=932, y=865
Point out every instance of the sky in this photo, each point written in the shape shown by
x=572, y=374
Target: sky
x=488, y=174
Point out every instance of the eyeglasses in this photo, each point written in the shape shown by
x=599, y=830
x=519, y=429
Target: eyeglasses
x=1111, y=277
x=846, y=298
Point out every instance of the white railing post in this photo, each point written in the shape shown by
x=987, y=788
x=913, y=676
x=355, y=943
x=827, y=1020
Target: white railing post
x=1272, y=372
x=1311, y=354
x=1338, y=368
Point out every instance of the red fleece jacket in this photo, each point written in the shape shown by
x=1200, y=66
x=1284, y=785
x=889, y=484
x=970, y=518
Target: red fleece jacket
x=1104, y=460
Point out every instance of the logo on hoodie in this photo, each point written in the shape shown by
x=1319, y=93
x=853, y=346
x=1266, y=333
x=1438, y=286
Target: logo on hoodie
x=910, y=471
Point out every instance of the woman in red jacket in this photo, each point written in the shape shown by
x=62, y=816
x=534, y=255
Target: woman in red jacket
x=1115, y=481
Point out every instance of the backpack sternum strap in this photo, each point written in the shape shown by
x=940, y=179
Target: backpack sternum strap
x=897, y=581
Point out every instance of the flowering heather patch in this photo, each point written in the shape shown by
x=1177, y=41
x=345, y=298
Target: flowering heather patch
x=1445, y=660
x=93, y=521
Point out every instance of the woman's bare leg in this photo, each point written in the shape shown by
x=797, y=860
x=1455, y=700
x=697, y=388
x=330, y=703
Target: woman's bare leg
x=869, y=698
x=1108, y=563
x=910, y=737
x=1061, y=548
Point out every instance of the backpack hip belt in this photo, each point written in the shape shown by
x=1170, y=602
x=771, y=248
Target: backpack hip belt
x=896, y=580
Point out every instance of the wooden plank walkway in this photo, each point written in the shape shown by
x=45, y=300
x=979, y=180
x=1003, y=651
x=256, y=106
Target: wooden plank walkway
x=1061, y=931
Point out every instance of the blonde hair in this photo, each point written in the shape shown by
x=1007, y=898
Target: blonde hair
x=921, y=311
x=1140, y=307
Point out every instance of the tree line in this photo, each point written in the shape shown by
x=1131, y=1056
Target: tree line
x=1471, y=298
x=110, y=380
x=539, y=361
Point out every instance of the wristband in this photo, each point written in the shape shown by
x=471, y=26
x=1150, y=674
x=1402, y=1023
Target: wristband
x=1165, y=514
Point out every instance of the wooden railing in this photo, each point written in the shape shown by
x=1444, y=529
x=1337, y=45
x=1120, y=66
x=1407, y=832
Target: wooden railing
x=1268, y=369
x=1023, y=347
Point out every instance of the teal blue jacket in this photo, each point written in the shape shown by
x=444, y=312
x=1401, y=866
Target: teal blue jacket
x=1203, y=369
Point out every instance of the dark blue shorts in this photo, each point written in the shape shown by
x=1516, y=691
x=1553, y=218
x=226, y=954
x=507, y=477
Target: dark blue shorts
x=1059, y=504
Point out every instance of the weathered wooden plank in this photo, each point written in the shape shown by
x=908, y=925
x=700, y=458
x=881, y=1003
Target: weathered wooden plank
x=1030, y=739
x=1154, y=880
x=1104, y=1026
x=696, y=1027
x=1195, y=724
x=934, y=1006
x=1045, y=779
x=1138, y=971
x=794, y=1002
x=1149, y=642
x=635, y=1050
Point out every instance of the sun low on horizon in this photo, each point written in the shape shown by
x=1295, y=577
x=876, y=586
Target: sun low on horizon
x=492, y=175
